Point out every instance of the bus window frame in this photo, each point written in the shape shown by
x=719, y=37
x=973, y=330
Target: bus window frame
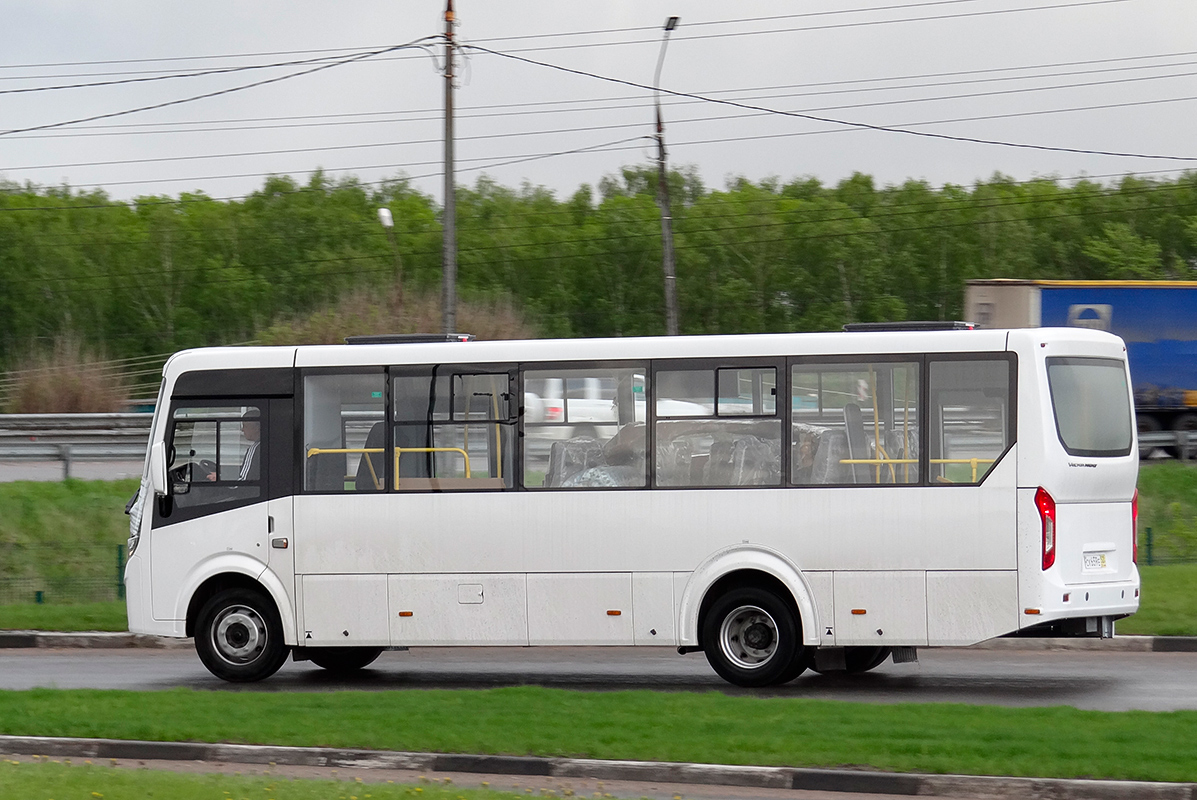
x=644, y=365
x=923, y=360
x=448, y=370
x=713, y=364
x=166, y=511
x=301, y=376
x=1011, y=358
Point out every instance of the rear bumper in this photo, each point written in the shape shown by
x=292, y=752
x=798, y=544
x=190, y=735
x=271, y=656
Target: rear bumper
x=1081, y=602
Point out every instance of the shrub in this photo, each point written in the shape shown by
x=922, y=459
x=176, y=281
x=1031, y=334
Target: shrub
x=363, y=311
x=67, y=378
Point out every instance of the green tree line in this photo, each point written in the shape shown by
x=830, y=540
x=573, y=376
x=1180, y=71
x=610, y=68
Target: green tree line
x=162, y=273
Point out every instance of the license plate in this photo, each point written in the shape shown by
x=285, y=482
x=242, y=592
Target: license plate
x=1095, y=561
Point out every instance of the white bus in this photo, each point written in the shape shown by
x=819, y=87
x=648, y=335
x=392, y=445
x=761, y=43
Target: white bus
x=780, y=502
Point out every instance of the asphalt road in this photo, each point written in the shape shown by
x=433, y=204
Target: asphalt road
x=1108, y=681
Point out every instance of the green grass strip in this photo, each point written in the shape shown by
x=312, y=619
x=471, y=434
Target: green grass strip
x=105, y=616
x=86, y=781
x=1168, y=606
x=641, y=725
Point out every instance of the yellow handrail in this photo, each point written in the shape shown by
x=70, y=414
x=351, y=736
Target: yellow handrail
x=880, y=461
x=401, y=450
x=315, y=451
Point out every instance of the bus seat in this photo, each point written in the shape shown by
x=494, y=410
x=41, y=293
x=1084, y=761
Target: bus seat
x=326, y=472
x=743, y=461
x=858, y=446
x=806, y=444
x=605, y=476
x=673, y=462
x=570, y=457
x=364, y=480
x=828, y=466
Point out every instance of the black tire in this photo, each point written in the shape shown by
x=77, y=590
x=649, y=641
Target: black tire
x=858, y=660
x=239, y=636
x=343, y=659
x=1184, y=422
x=753, y=638
x=1148, y=423
x=863, y=659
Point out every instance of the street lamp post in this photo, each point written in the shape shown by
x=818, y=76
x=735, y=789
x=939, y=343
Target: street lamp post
x=668, y=260
x=388, y=224
x=449, y=245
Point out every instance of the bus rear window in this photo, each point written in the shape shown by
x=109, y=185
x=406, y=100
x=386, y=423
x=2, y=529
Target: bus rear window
x=1091, y=401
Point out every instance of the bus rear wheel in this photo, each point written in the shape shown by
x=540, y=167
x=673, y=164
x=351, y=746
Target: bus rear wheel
x=858, y=660
x=239, y=636
x=343, y=659
x=753, y=638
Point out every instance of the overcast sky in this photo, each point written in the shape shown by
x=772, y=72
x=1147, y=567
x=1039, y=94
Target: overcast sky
x=981, y=69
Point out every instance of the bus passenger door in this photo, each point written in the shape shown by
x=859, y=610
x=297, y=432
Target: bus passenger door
x=280, y=522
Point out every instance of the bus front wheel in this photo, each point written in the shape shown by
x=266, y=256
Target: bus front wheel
x=343, y=659
x=239, y=636
x=752, y=638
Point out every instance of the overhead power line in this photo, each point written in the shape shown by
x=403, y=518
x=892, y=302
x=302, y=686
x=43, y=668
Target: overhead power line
x=418, y=43
x=172, y=76
x=833, y=121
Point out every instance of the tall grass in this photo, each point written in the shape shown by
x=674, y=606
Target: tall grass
x=363, y=311
x=1168, y=506
x=68, y=377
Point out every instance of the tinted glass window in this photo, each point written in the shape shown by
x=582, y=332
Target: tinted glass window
x=584, y=428
x=343, y=433
x=855, y=423
x=970, y=402
x=453, y=432
x=728, y=437
x=1091, y=400
x=215, y=455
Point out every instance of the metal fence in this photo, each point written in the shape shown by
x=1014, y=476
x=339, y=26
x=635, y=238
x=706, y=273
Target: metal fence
x=54, y=573
x=67, y=438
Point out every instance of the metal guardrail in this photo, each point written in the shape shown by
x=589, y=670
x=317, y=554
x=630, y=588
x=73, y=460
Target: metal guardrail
x=67, y=438
x=1184, y=443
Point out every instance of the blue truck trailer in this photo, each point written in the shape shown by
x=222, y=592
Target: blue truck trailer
x=1156, y=319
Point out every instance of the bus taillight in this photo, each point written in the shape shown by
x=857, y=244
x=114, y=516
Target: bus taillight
x=1047, y=515
x=1135, y=527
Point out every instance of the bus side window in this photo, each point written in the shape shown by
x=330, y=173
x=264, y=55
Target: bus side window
x=343, y=431
x=453, y=431
x=854, y=423
x=584, y=428
x=970, y=406
x=717, y=427
x=216, y=455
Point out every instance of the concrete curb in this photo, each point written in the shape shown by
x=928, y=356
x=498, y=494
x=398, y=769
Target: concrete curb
x=827, y=780
x=89, y=640
x=100, y=639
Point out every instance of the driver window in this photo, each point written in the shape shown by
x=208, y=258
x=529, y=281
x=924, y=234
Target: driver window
x=215, y=455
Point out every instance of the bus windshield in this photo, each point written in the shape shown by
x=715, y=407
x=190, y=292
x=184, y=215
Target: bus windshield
x=1092, y=405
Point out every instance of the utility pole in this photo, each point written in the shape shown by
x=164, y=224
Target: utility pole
x=668, y=260
x=449, y=247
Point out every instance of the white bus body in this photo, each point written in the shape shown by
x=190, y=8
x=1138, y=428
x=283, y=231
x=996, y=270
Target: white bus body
x=924, y=489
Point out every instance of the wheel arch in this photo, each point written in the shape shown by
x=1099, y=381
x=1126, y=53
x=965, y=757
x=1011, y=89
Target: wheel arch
x=745, y=565
x=229, y=572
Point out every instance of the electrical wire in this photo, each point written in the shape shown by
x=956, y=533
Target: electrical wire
x=152, y=78
x=179, y=101
x=845, y=123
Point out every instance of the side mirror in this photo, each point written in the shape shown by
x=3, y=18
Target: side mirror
x=158, y=468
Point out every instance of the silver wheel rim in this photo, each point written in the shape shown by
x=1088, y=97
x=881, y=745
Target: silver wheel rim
x=239, y=634
x=748, y=637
